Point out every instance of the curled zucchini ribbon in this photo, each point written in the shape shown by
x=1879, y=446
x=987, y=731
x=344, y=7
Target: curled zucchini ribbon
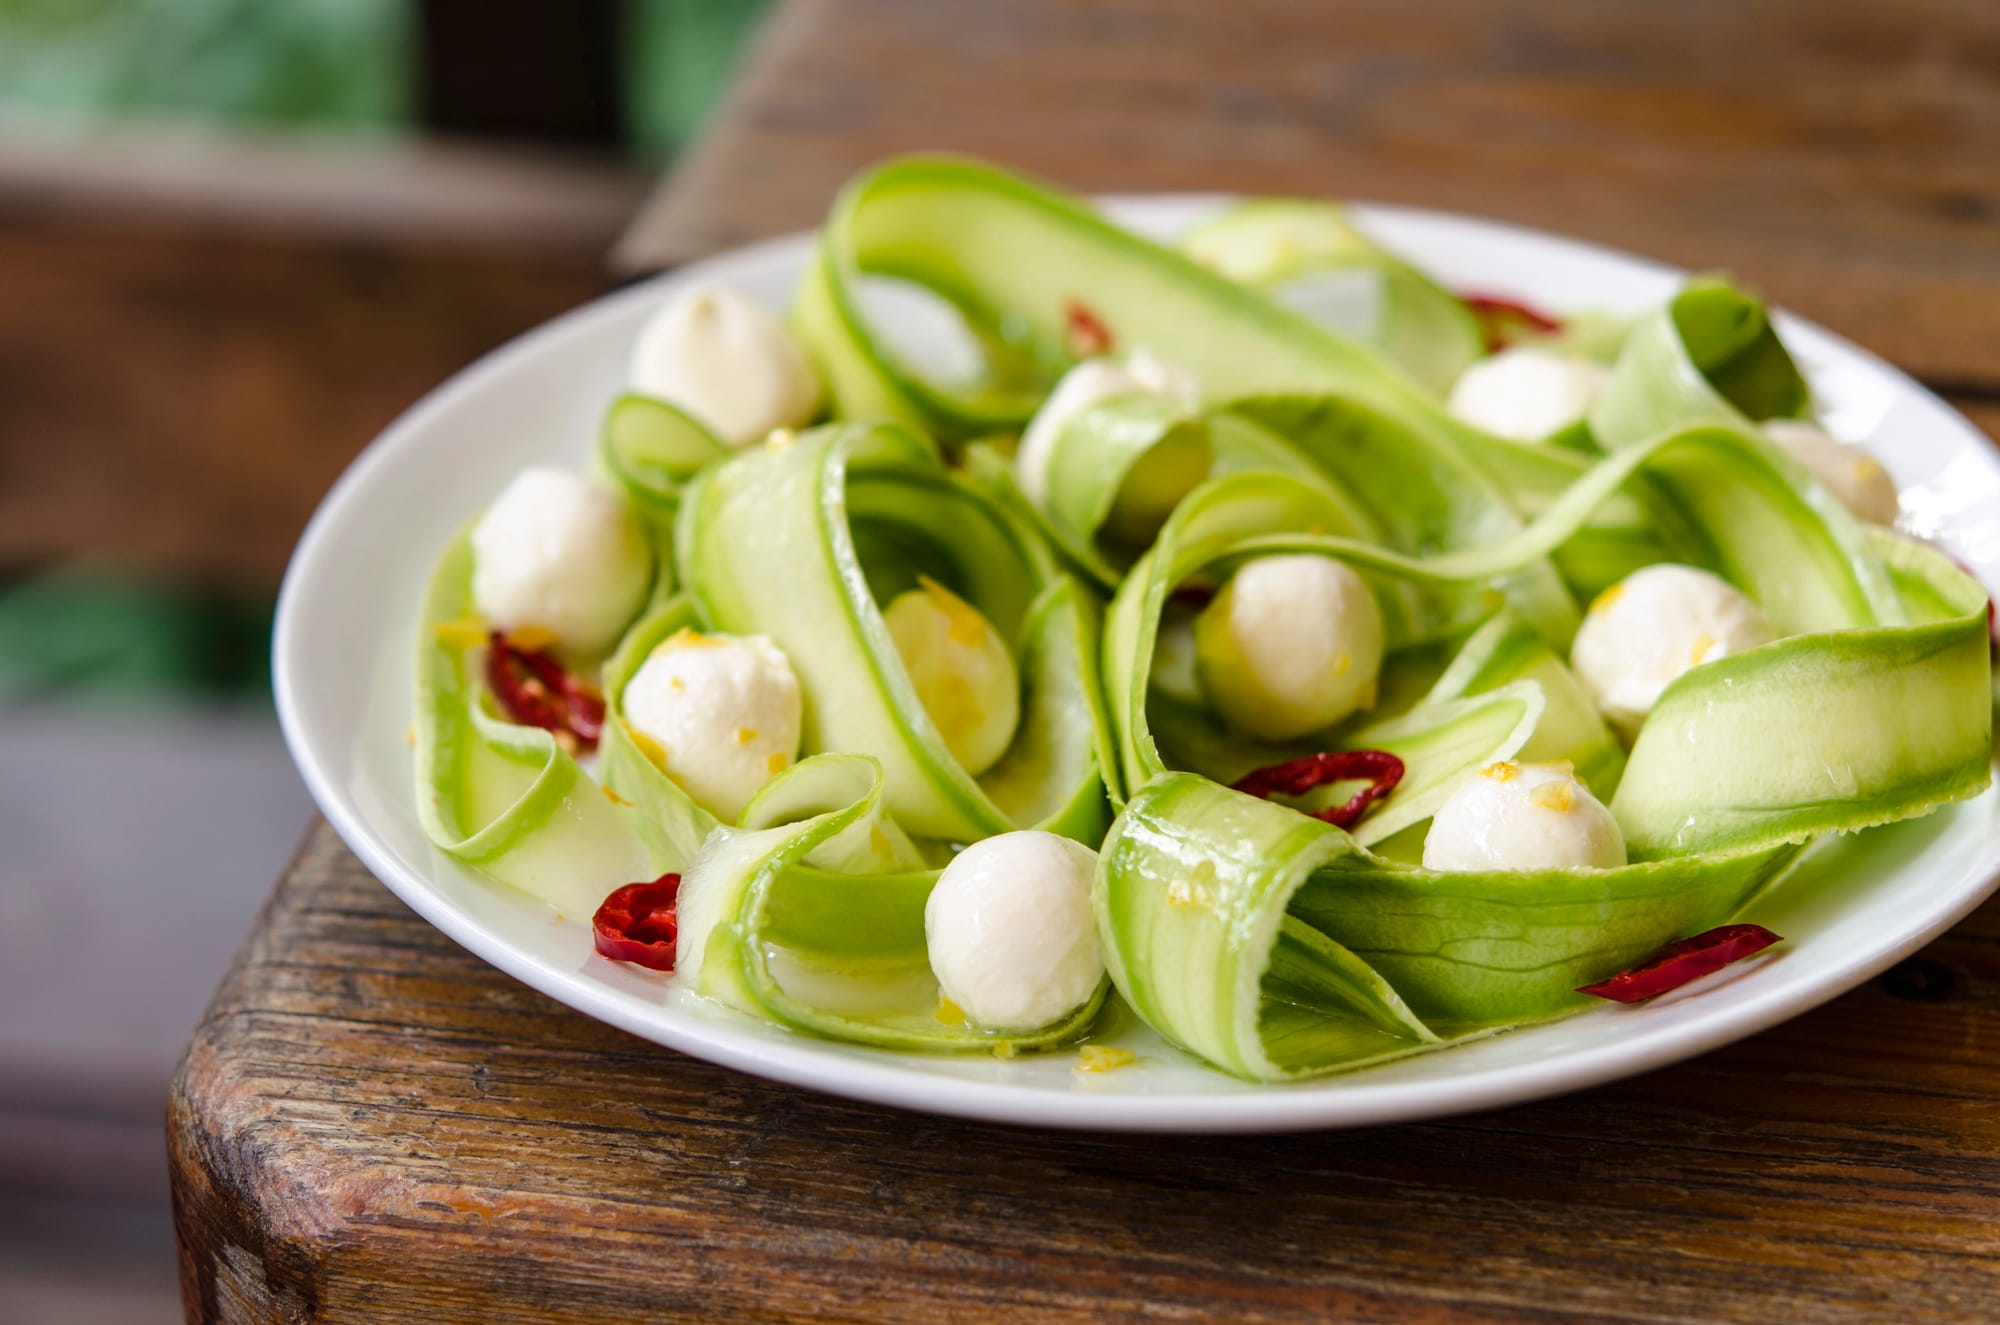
x=1315, y=953
x=1015, y=260
x=652, y=450
x=803, y=539
x=1709, y=355
x=805, y=915
x=508, y=799
x=501, y=797
x=1306, y=254
x=1263, y=940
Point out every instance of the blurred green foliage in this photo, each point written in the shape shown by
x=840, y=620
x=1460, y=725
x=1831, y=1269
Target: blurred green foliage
x=333, y=63
x=83, y=630
x=679, y=56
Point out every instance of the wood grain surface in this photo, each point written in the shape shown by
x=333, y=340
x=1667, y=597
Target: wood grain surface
x=373, y=1125
x=1839, y=154
x=195, y=340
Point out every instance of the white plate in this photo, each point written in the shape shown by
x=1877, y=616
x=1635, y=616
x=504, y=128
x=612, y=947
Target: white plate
x=350, y=602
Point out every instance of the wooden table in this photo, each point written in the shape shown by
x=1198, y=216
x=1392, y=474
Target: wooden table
x=219, y=322
x=373, y=1126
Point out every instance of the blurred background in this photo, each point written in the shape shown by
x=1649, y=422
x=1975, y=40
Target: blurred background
x=237, y=237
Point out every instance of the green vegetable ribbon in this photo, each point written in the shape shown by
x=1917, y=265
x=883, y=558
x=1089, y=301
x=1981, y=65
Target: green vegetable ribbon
x=793, y=915
x=1266, y=942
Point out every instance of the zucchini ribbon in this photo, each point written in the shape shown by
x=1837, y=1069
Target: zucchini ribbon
x=1270, y=944
x=1874, y=707
x=803, y=914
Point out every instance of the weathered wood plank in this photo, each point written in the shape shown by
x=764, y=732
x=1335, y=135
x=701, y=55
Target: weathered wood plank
x=190, y=352
x=373, y=1125
x=1840, y=156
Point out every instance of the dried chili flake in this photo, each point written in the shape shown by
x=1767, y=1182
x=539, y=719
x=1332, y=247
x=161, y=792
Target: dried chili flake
x=639, y=923
x=534, y=690
x=1682, y=962
x=1503, y=321
x=1084, y=332
x=1295, y=777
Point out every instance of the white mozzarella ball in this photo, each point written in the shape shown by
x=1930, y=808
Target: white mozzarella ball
x=559, y=553
x=963, y=673
x=1848, y=472
x=726, y=361
x=724, y=712
x=1090, y=383
x=1512, y=816
x=1652, y=626
x=1291, y=645
x=1527, y=393
x=1012, y=939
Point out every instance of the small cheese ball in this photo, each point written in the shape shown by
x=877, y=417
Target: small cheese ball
x=1527, y=393
x=1291, y=645
x=559, y=553
x=1012, y=939
x=1848, y=472
x=723, y=711
x=727, y=362
x=1653, y=625
x=964, y=675
x=1091, y=383
x=1512, y=816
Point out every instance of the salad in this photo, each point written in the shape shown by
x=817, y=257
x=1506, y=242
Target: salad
x=1327, y=686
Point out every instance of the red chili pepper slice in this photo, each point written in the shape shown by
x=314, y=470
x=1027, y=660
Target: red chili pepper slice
x=1683, y=961
x=1296, y=777
x=534, y=690
x=1503, y=321
x=639, y=923
x=1084, y=331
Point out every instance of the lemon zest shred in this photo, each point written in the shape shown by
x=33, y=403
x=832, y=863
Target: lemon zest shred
x=1557, y=796
x=1091, y=1058
x=463, y=633
x=687, y=637
x=655, y=753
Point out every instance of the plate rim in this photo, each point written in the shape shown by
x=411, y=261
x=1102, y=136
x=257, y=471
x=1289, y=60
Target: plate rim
x=1272, y=1108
